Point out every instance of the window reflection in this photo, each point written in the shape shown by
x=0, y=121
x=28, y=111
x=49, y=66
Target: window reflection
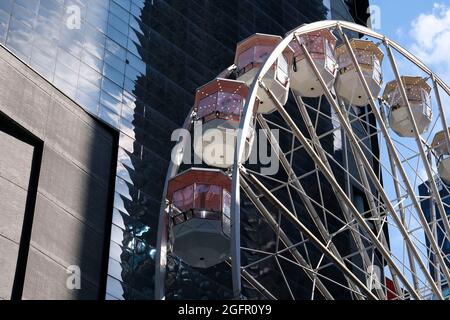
x=208, y=197
x=19, y=39
x=256, y=55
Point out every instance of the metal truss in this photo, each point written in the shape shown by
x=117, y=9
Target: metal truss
x=393, y=234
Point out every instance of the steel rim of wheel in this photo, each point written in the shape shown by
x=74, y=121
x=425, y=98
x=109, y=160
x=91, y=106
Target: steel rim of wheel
x=394, y=202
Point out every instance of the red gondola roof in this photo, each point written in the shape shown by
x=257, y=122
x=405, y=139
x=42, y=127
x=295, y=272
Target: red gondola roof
x=200, y=176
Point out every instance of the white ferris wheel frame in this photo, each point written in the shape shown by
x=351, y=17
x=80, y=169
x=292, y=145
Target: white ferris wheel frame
x=241, y=178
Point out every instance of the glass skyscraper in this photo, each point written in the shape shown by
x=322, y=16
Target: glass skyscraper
x=436, y=224
x=136, y=64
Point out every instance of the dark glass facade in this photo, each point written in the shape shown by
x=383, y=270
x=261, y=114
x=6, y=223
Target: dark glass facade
x=430, y=212
x=136, y=64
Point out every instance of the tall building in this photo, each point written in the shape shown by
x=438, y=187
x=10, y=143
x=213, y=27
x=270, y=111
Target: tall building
x=437, y=226
x=133, y=65
x=57, y=169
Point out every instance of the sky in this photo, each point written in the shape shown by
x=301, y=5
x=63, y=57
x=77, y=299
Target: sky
x=421, y=26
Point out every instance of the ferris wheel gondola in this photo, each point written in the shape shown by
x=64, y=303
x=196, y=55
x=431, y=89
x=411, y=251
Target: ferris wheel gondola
x=365, y=189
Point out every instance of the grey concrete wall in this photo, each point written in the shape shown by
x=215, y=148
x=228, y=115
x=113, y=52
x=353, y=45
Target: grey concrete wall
x=15, y=167
x=72, y=199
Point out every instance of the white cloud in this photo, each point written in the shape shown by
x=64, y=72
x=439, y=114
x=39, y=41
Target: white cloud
x=430, y=42
x=430, y=33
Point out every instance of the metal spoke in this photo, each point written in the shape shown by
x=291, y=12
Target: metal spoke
x=395, y=225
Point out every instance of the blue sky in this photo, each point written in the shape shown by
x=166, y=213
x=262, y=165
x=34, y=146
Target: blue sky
x=397, y=14
x=421, y=26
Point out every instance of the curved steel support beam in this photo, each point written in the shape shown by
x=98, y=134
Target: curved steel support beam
x=420, y=146
x=338, y=189
x=240, y=147
x=361, y=155
x=162, y=233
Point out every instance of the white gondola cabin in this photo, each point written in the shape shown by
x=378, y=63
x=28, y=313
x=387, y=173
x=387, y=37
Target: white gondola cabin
x=219, y=105
x=348, y=84
x=418, y=93
x=321, y=45
x=199, y=216
x=440, y=147
x=251, y=54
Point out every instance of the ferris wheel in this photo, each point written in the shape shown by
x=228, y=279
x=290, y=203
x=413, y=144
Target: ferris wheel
x=357, y=204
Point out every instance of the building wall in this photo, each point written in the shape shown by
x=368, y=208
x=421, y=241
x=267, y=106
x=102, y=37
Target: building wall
x=71, y=164
x=428, y=208
x=15, y=170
